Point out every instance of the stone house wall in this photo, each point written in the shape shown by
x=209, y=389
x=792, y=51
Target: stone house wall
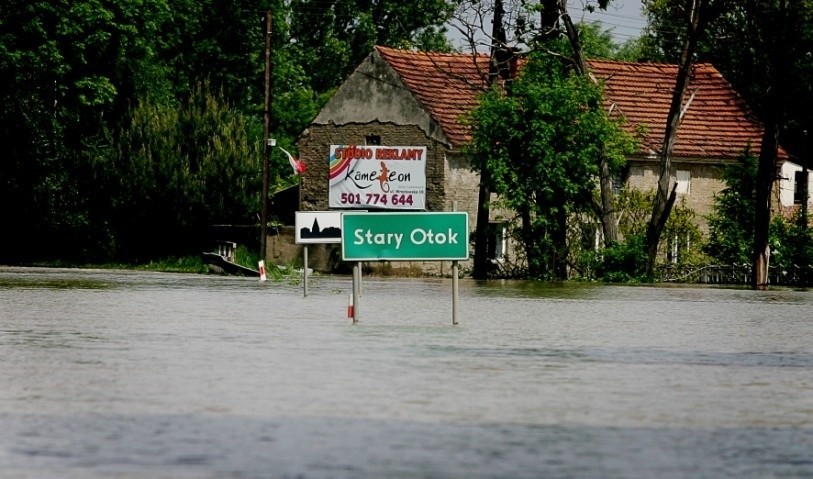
x=706, y=180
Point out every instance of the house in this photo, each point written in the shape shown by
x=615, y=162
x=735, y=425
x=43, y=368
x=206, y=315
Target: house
x=410, y=99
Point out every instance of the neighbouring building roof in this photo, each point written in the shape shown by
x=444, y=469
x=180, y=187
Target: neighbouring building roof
x=718, y=123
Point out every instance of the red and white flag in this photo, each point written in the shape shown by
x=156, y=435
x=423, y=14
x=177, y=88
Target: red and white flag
x=297, y=165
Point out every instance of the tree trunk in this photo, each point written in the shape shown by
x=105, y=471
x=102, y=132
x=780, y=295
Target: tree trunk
x=609, y=220
x=661, y=208
x=559, y=236
x=480, y=269
x=774, y=117
x=530, y=254
x=766, y=176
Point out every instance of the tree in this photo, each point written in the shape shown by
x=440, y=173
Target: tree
x=762, y=47
x=731, y=224
x=540, y=35
x=330, y=38
x=539, y=145
x=179, y=169
x=664, y=200
x=67, y=72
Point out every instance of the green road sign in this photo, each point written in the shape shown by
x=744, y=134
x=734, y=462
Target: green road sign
x=405, y=236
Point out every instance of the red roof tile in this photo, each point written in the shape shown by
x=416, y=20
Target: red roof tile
x=718, y=123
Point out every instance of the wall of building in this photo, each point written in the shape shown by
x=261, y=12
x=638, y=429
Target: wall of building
x=787, y=185
x=705, y=181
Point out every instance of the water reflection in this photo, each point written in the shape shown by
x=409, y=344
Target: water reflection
x=127, y=374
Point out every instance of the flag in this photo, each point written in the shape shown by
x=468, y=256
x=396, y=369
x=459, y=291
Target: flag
x=298, y=166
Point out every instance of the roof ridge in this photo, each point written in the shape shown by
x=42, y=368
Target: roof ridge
x=422, y=53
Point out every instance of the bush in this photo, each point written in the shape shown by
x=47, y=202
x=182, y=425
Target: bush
x=623, y=262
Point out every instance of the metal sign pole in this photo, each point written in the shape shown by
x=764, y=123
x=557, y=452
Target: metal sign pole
x=455, y=293
x=305, y=272
x=356, y=287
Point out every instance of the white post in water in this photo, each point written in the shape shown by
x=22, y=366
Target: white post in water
x=305, y=272
x=356, y=287
x=261, y=266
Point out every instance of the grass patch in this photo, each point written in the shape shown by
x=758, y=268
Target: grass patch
x=175, y=264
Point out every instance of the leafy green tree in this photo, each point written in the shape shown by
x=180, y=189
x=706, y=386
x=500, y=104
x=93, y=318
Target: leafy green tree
x=180, y=169
x=330, y=38
x=731, y=227
x=792, y=249
x=731, y=223
x=540, y=146
x=762, y=47
x=67, y=71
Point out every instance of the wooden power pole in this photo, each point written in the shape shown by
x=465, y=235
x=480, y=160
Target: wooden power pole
x=266, y=139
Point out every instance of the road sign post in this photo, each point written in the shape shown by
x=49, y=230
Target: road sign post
x=405, y=237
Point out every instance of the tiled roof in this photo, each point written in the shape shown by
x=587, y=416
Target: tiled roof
x=718, y=123
x=446, y=84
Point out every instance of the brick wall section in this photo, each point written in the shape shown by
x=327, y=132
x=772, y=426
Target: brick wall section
x=314, y=150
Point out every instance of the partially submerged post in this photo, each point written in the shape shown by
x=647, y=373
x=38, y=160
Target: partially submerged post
x=356, y=290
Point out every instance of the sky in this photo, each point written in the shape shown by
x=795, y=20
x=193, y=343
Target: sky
x=622, y=17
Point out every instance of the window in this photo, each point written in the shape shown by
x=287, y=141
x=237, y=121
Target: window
x=800, y=187
x=618, y=184
x=678, y=248
x=372, y=140
x=497, y=241
x=684, y=182
x=591, y=237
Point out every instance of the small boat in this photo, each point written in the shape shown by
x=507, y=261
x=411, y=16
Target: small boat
x=217, y=264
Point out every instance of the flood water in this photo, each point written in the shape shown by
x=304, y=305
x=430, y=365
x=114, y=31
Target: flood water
x=153, y=375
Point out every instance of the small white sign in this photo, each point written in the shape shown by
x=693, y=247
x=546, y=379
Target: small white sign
x=318, y=227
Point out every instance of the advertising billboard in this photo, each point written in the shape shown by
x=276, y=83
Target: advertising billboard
x=377, y=177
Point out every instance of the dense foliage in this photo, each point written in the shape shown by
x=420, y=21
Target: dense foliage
x=179, y=169
x=540, y=142
x=731, y=228
x=731, y=224
x=123, y=120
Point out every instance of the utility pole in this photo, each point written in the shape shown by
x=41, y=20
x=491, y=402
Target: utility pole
x=266, y=132
x=805, y=267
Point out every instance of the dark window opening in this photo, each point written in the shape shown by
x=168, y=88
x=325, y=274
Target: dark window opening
x=618, y=183
x=800, y=187
x=373, y=140
x=496, y=241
